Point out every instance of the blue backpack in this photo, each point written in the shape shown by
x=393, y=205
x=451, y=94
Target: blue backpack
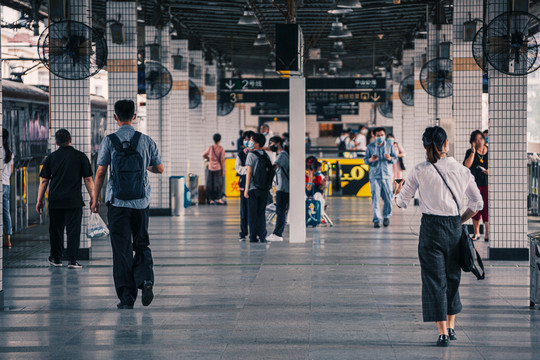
x=127, y=171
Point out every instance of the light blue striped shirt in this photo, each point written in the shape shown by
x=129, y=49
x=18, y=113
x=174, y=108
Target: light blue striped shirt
x=150, y=154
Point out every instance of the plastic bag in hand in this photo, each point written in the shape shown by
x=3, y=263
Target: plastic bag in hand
x=96, y=227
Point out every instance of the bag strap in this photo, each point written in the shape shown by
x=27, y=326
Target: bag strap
x=475, y=271
x=115, y=140
x=134, y=142
x=449, y=188
x=219, y=158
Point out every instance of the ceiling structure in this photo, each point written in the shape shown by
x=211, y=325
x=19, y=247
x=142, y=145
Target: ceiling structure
x=380, y=28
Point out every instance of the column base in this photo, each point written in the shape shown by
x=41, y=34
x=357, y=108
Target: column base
x=160, y=212
x=1, y=300
x=516, y=254
x=84, y=254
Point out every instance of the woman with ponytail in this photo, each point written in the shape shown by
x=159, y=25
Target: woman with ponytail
x=6, y=174
x=442, y=184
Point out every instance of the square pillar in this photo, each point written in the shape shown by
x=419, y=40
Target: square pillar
x=198, y=139
x=1, y=197
x=467, y=79
x=409, y=136
x=158, y=120
x=421, y=117
x=210, y=100
x=397, y=105
x=70, y=109
x=507, y=160
x=229, y=125
x=180, y=109
x=122, y=59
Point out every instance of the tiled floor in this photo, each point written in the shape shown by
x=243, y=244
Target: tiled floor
x=350, y=292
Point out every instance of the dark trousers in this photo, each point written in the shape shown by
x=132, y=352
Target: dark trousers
x=243, y=215
x=214, y=185
x=438, y=251
x=129, y=233
x=257, y=214
x=69, y=220
x=282, y=205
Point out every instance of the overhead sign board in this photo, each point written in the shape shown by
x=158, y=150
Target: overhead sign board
x=281, y=97
x=237, y=85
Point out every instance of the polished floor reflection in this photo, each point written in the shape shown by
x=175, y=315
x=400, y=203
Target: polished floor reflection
x=350, y=292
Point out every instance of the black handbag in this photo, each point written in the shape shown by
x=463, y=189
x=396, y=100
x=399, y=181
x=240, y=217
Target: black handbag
x=469, y=258
x=401, y=163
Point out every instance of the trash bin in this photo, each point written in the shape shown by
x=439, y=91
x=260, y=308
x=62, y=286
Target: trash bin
x=535, y=268
x=193, y=186
x=176, y=195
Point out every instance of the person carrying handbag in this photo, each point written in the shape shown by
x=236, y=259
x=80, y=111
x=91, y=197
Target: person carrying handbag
x=440, y=231
x=215, y=155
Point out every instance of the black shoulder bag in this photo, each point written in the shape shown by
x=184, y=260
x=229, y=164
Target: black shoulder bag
x=469, y=258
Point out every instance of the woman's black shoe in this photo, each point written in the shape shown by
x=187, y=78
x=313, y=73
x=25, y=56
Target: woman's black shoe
x=443, y=341
x=452, y=334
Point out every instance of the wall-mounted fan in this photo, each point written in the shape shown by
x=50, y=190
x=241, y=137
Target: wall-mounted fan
x=478, y=49
x=511, y=44
x=436, y=77
x=158, y=80
x=406, y=91
x=225, y=108
x=385, y=109
x=72, y=50
x=194, y=95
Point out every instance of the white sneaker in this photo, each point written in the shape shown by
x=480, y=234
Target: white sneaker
x=274, y=238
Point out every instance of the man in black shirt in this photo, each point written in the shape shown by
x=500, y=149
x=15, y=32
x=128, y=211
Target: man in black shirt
x=64, y=169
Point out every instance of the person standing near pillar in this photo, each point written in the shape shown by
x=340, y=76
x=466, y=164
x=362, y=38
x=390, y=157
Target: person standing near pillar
x=215, y=155
x=130, y=154
x=380, y=156
x=7, y=170
x=64, y=169
x=282, y=187
x=442, y=183
x=476, y=159
x=241, y=171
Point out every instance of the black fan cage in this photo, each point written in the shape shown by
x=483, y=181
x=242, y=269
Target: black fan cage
x=72, y=50
x=194, y=95
x=385, y=109
x=158, y=80
x=225, y=108
x=406, y=91
x=478, y=50
x=511, y=44
x=436, y=77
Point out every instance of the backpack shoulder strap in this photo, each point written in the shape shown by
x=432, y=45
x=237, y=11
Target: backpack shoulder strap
x=135, y=140
x=115, y=141
x=449, y=188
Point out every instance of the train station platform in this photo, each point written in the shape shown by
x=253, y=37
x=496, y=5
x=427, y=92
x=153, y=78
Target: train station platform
x=349, y=292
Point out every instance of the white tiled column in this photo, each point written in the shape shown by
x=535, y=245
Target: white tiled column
x=210, y=100
x=1, y=192
x=70, y=109
x=467, y=79
x=199, y=140
x=507, y=160
x=180, y=110
x=409, y=136
x=439, y=109
x=421, y=119
x=122, y=58
x=397, y=105
x=228, y=127
x=158, y=114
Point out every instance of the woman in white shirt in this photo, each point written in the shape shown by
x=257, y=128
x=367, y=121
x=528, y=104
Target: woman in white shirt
x=6, y=174
x=441, y=228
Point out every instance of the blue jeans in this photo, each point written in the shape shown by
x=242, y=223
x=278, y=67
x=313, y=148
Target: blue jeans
x=381, y=188
x=6, y=216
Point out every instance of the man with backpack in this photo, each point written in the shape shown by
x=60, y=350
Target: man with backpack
x=341, y=142
x=282, y=187
x=241, y=170
x=130, y=154
x=259, y=177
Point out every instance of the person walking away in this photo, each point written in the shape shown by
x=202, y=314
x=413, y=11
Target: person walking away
x=129, y=154
x=7, y=170
x=281, y=183
x=215, y=155
x=440, y=232
x=259, y=178
x=62, y=171
x=399, y=165
x=380, y=157
x=341, y=142
x=476, y=159
x=241, y=171
x=351, y=144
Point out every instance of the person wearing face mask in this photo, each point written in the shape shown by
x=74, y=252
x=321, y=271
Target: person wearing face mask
x=442, y=183
x=380, y=157
x=241, y=171
x=486, y=136
x=281, y=183
x=398, y=166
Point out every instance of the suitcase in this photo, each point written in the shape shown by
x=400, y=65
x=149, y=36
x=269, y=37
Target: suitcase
x=202, y=195
x=313, y=212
